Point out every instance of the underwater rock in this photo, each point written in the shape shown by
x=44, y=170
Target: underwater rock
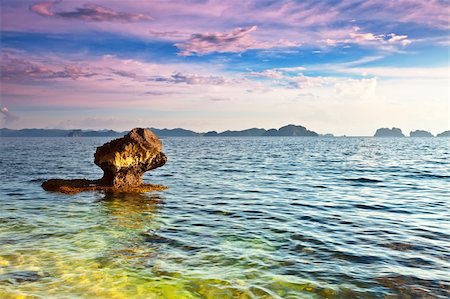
x=20, y=277
x=123, y=161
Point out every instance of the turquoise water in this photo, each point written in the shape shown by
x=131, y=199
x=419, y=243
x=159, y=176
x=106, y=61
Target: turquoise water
x=242, y=218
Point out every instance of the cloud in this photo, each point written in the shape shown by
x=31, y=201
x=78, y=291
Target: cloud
x=19, y=69
x=191, y=79
x=236, y=40
x=390, y=38
x=125, y=74
x=354, y=87
x=172, y=35
x=219, y=99
x=304, y=82
x=89, y=12
x=402, y=39
x=388, y=41
x=291, y=69
x=7, y=117
x=271, y=74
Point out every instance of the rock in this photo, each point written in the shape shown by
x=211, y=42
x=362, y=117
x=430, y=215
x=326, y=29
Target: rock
x=444, y=134
x=20, y=277
x=420, y=133
x=123, y=161
x=386, y=132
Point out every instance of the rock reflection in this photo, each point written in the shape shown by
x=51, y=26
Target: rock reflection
x=132, y=210
x=131, y=215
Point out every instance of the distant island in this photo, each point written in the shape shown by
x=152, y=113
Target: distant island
x=444, y=134
x=288, y=130
x=396, y=132
x=420, y=133
x=386, y=132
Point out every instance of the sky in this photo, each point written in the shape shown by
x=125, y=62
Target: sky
x=336, y=66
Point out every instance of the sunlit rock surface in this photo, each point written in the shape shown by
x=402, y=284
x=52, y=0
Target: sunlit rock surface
x=123, y=161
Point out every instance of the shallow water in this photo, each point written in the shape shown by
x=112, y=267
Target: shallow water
x=242, y=218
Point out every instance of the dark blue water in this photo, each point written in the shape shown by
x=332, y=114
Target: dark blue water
x=242, y=218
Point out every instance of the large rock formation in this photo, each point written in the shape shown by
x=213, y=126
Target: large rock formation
x=123, y=161
x=386, y=132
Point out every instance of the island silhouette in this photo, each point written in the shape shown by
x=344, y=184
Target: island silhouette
x=288, y=130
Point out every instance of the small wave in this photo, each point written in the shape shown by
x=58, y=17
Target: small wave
x=15, y=194
x=364, y=180
x=367, y=207
x=429, y=176
x=320, y=187
x=399, y=246
x=37, y=180
x=414, y=287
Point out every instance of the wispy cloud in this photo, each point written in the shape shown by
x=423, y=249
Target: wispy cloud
x=273, y=74
x=236, y=40
x=191, y=79
x=88, y=12
x=7, y=117
x=388, y=41
x=21, y=69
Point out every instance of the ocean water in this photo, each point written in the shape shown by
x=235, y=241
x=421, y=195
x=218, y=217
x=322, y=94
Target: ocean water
x=242, y=218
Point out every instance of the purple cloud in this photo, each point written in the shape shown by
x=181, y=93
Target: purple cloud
x=191, y=79
x=89, y=12
x=20, y=69
x=125, y=74
x=236, y=40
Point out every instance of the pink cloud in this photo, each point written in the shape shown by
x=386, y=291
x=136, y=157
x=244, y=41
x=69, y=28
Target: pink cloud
x=389, y=41
x=433, y=13
x=272, y=74
x=196, y=79
x=89, y=12
x=236, y=40
x=16, y=68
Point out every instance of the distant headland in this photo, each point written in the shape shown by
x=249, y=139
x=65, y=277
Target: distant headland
x=288, y=130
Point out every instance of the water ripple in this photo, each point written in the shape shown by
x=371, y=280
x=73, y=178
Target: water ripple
x=243, y=218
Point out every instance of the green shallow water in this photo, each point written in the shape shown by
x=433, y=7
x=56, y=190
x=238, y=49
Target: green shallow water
x=242, y=218
x=98, y=249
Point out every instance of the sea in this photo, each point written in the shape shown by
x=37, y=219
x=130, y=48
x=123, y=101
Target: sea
x=244, y=217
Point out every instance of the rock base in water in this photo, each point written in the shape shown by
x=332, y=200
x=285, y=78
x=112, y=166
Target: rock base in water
x=124, y=162
x=79, y=185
